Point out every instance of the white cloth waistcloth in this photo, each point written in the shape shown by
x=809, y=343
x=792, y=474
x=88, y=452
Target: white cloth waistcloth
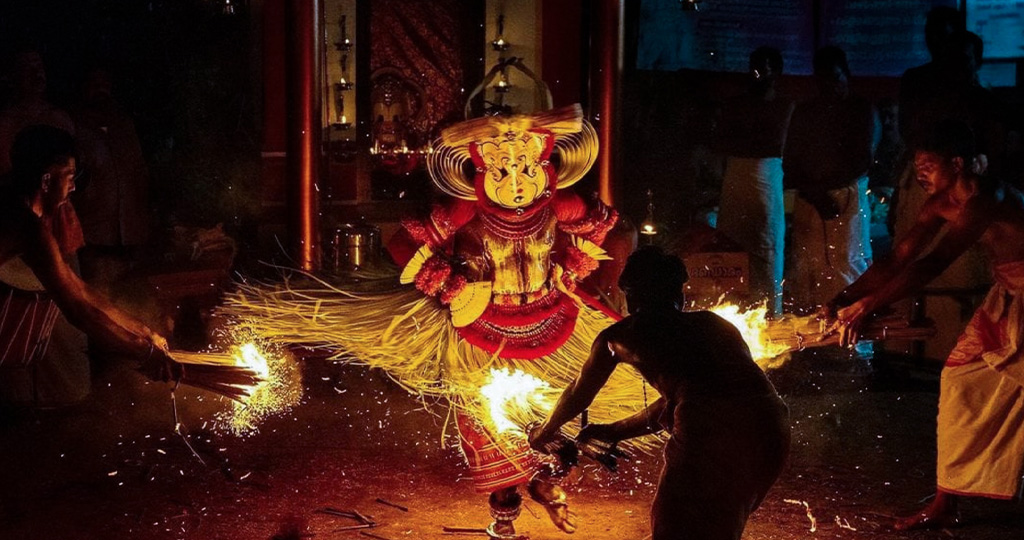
x=752, y=214
x=827, y=255
x=981, y=400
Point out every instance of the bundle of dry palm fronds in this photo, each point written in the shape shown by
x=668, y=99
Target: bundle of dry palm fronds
x=218, y=372
x=796, y=332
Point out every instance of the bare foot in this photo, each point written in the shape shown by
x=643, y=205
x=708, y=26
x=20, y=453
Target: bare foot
x=553, y=498
x=502, y=531
x=941, y=513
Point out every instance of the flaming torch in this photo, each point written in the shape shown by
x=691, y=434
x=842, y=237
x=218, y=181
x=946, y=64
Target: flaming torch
x=513, y=399
x=261, y=381
x=235, y=376
x=771, y=341
x=753, y=326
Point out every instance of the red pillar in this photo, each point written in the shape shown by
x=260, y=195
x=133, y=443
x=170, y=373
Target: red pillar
x=303, y=53
x=606, y=77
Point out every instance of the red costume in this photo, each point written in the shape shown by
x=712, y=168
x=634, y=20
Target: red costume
x=495, y=270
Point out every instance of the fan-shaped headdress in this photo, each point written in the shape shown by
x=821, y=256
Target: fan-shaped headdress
x=575, y=143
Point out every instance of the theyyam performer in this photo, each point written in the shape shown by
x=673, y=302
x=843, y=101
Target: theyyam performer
x=494, y=270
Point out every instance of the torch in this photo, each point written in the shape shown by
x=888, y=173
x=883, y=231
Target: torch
x=566, y=451
x=235, y=376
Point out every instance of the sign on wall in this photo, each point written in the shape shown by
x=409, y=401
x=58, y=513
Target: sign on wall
x=1000, y=23
x=721, y=36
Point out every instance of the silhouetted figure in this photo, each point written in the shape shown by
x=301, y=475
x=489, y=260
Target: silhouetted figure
x=953, y=91
x=729, y=428
x=919, y=84
x=885, y=169
x=112, y=198
x=981, y=401
x=29, y=103
x=883, y=176
x=751, y=134
x=829, y=149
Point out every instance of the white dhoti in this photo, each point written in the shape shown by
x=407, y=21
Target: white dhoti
x=981, y=404
x=827, y=255
x=752, y=214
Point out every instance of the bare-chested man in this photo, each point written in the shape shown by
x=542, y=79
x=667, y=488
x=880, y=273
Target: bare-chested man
x=981, y=400
x=42, y=177
x=729, y=428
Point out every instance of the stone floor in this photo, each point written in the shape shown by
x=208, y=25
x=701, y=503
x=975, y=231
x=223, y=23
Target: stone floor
x=113, y=467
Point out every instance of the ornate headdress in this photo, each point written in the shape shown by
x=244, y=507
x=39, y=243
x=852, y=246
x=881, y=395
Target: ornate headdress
x=575, y=147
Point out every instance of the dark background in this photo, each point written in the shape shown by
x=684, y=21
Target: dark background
x=183, y=69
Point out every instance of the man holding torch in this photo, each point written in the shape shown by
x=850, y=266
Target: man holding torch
x=42, y=177
x=729, y=428
x=981, y=399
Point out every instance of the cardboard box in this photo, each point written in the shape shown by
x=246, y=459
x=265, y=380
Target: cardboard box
x=717, y=274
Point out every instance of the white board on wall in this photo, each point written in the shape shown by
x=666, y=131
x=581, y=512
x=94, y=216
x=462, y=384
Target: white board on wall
x=1000, y=23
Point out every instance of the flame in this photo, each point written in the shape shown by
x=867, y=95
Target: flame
x=279, y=390
x=753, y=326
x=512, y=396
x=250, y=357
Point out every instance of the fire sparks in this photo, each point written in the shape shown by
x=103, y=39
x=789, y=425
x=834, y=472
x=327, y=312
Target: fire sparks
x=279, y=390
x=250, y=357
x=753, y=326
x=512, y=399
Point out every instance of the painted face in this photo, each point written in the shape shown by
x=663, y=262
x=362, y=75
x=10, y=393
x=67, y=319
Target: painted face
x=58, y=184
x=514, y=175
x=934, y=172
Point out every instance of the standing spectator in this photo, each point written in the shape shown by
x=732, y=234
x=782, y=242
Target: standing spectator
x=112, y=199
x=953, y=91
x=884, y=170
x=751, y=134
x=29, y=104
x=919, y=84
x=829, y=148
x=883, y=176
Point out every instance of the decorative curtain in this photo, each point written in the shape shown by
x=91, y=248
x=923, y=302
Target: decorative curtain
x=429, y=44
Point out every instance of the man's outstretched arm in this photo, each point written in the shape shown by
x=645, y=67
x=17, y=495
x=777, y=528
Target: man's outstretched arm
x=974, y=219
x=82, y=306
x=644, y=422
x=903, y=255
x=580, y=394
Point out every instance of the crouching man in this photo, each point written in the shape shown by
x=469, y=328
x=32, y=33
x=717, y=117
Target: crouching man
x=42, y=177
x=729, y=428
